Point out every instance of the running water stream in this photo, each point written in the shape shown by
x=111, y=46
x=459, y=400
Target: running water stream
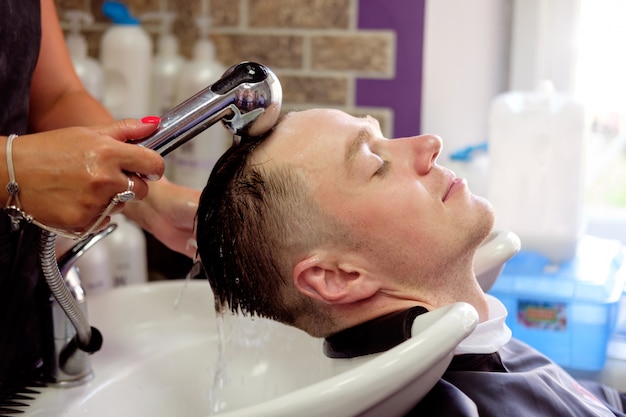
x=256, y=359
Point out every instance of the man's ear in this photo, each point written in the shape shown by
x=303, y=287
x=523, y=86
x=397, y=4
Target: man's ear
x=332, y=282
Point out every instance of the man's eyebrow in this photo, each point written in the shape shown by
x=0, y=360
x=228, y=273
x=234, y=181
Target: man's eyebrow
x=354, y=145
x=363, y=135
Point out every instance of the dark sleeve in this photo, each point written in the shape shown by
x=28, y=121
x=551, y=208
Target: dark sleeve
x=525, y=382
x=445, y=400
x=613, y=399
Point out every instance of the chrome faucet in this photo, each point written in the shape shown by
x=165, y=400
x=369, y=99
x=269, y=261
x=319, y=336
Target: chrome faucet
x=68, y=364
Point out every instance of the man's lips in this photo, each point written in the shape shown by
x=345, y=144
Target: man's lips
x=454, y=184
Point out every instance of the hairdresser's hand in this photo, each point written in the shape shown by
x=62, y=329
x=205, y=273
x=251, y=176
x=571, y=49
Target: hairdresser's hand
x=67, y=177
x=168, y=213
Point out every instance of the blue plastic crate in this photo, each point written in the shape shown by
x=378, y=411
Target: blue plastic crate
x=569, y=310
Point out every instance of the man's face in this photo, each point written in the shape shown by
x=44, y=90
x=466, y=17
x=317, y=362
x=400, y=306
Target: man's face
x=414, y=212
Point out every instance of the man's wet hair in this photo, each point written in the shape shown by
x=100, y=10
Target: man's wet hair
x=220, y=219
x=252, y=222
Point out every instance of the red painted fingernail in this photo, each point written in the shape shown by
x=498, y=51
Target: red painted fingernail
x=155, y=120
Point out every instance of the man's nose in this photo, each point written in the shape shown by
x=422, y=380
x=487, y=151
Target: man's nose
x=426, y=149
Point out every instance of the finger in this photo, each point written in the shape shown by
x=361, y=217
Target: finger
x=130, y=129
x=139, y=186
x=134, y=158
x=133, y=188
x=141, y=161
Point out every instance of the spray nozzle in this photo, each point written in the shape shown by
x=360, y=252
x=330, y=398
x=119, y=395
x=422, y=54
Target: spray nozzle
x=77, y=17
x=203, y=49
x=118, y=12
x=203, y=24
x=167, y=43
x=76, y=43
x=164, y=18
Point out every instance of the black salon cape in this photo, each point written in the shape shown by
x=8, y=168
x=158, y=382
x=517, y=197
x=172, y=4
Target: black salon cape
x=515, y=381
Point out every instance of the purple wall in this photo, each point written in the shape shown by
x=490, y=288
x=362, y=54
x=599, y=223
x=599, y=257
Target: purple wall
x=403, y=93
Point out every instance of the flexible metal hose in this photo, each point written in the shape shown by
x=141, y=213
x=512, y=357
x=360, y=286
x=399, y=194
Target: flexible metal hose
x=50, y=268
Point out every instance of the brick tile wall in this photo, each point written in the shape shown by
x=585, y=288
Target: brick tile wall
x=314, y=46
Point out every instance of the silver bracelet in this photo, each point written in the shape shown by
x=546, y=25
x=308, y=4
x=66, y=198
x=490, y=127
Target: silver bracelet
x=13, y=209
x=12, y=188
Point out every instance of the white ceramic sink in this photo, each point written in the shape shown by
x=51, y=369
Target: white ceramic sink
x=492, y=254
x=161, y=357
x=158, y=360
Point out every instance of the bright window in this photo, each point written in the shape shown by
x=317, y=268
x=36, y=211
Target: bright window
x=601, y=85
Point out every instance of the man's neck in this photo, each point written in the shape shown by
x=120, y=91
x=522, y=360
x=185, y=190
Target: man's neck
x=454, y=283
x=446, y=284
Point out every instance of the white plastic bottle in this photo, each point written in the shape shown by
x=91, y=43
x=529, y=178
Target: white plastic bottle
x=166, y=68
x=127, y=252
x=536, y=169
x=126, y=58
x=167, y=64
x=194, y=160
x=87, y=68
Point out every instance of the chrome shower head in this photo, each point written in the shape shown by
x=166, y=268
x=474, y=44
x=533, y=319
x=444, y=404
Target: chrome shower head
x=247, y=99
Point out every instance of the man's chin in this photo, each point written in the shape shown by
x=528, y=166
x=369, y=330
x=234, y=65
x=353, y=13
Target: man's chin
x=485, y=219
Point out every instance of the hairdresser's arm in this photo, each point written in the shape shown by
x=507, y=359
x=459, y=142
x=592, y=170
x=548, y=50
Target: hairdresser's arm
x=58, y=99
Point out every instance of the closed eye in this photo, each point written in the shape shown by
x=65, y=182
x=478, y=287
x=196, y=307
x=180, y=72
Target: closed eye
x=384, y=167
